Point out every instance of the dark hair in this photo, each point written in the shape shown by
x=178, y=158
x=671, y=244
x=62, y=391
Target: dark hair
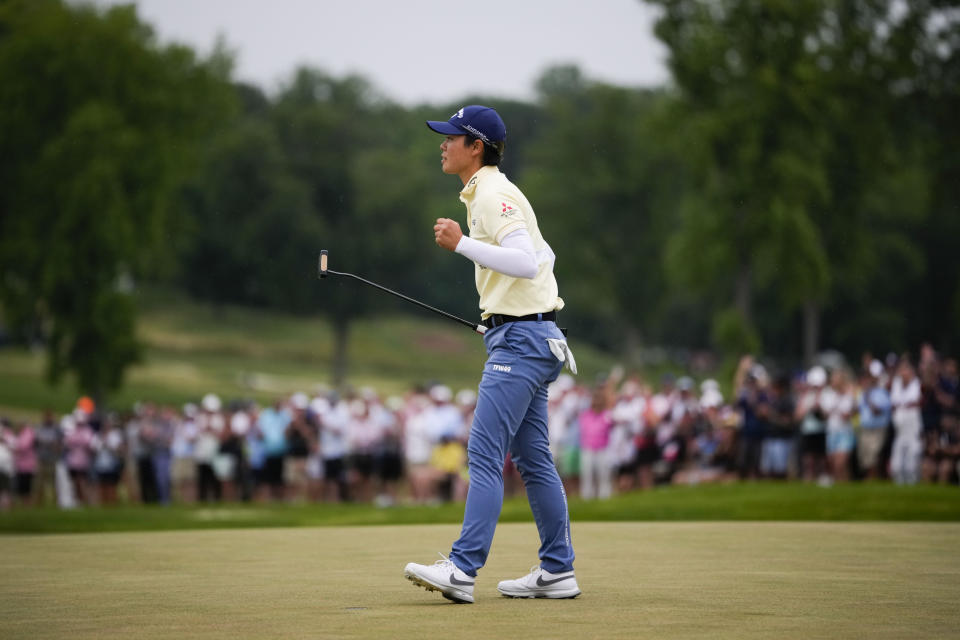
x=492, y=152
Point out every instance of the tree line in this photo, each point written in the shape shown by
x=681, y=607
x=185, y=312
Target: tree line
x=793, y=187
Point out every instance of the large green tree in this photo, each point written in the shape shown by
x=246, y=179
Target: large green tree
x=605, y=181
x=350, y=147
x=812, y=176
x=749, y=101
x=325, y=164
x=251, y=230
x=98, y=124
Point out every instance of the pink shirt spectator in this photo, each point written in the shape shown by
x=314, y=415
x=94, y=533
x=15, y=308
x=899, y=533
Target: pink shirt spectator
x=595, y=429
x=24, y=453
x=79, y=443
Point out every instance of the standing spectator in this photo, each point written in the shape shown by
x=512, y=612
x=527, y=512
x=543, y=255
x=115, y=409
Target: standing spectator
x=300, y=440
x=272, y=424
x=837, y=402
x=941, y=391
x=949, y=396
x=183, y=467
x=874, y=419
x=49, y=444
x=906, y=398
x=446, y=419
x=334, y=424
x=948, y=391
x=661, y=406
x=256, y=457
x=210, y=424
x=446, y=427
x=627, y=414
x=316, y=409
x=138, y=446
x=683, y=418
x=162, y=428
x=648, y=451
x=813, y=426
x=229, y=463
x=928, y=372
x=108, y=459
x=24, y=462
x=754, y=406
x=710, y=439
x=448, y=460
x=778, y=445
x=7, y=467
x=713, y=447
x=241, y=425
x=418, y=445
x=390, y=451
x=596, y=469
x=66, y=496
x=943, y=463
x=363, y=439
x=79, y=451
x=563, y=432
x=660, y=423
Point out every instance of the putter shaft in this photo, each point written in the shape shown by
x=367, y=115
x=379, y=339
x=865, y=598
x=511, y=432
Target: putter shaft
x=324, y=271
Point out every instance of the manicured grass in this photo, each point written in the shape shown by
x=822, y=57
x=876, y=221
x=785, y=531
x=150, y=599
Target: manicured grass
x=651, y=580
x=192, y=349
x=734, y=502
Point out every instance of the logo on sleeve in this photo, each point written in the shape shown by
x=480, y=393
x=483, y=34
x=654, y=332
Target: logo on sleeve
x=507, y=210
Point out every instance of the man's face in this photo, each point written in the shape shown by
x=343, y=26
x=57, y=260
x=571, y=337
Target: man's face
x=455, y=156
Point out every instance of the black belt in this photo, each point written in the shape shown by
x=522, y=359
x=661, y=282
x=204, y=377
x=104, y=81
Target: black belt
x=497, y=319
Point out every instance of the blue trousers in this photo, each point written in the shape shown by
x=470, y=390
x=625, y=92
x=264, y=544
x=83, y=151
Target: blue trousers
x=511, y=414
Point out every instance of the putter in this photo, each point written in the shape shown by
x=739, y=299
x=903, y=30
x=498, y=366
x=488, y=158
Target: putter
x=324, y=271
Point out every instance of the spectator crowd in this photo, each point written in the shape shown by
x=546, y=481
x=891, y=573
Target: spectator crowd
x=896, y=419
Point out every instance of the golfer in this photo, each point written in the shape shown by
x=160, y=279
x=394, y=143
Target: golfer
x=526, y=351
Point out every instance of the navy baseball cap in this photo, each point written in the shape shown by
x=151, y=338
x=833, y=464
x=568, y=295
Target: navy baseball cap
x=478, y=121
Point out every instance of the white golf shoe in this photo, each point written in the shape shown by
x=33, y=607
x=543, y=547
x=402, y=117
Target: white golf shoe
x=540, y=583
x=443, y=576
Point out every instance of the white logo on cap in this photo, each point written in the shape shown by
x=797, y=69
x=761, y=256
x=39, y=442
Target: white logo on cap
x=459, y=114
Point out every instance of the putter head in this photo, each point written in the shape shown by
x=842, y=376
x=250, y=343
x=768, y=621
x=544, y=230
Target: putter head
x=323, y=263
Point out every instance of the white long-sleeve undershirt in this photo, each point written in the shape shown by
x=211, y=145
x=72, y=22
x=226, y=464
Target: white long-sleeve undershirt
x=514, y=256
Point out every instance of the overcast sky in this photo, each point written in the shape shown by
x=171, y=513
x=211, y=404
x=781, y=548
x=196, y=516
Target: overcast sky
x=417, y=51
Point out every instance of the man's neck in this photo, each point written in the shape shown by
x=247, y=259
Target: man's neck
x=466, y=174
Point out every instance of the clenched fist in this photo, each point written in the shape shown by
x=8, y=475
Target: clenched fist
x=447, y=233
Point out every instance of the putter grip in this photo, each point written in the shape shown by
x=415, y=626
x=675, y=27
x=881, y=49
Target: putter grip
x=323, y=263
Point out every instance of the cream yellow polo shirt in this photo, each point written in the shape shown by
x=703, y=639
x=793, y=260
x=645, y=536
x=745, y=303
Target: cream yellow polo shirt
x=495, y=208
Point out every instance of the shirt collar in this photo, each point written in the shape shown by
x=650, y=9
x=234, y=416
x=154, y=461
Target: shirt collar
x=481, y=173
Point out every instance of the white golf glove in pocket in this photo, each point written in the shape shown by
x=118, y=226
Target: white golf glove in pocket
x=562, y=351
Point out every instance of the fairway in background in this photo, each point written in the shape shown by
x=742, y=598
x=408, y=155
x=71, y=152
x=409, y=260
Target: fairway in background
x=193, y=349
x=658, y=580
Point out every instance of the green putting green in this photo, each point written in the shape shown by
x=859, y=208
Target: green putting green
x=655, y=580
